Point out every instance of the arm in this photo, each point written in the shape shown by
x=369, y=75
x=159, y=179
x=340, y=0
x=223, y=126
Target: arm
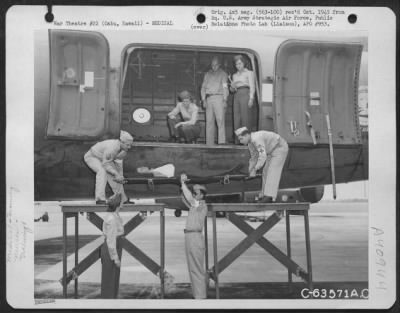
x=253, y=159
x=121, y=155
x=233, y=83
x=262, y=156
x=108, y=159
x=193, y=119
x=112, y=165
x=252, y=84
x=186, y=192
x=174, y=112
x=225, y=86
x=203, y=87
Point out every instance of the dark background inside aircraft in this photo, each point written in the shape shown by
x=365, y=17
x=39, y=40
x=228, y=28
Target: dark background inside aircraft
x=155, y=77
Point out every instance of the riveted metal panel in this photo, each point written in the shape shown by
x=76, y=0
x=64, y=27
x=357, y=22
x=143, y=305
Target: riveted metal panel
x=79, y=70
x=313, y=79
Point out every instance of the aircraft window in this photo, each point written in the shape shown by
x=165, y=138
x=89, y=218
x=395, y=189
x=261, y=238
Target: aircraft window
x=141, y=116
x=153, y=80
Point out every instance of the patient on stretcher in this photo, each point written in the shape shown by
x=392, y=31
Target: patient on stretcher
x=167, y=170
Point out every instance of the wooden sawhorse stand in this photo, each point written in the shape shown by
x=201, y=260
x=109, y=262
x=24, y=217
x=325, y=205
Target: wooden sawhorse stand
x=257, y=236
x=70, y=210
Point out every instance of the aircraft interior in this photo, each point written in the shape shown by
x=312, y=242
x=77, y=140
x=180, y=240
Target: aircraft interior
x=151, y=81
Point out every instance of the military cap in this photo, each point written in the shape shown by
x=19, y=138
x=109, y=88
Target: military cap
x=241, y=130
x=125, y=137
x=199, y=187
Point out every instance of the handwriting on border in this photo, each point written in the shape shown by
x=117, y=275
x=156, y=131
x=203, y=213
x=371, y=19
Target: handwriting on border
x=17, y=233
x=379, y=255
x=44, y=301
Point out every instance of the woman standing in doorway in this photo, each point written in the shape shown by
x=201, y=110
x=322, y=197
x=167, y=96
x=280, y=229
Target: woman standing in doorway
x=243, y=85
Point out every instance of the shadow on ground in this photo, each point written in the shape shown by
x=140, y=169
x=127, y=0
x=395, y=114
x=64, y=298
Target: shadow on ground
x=48, y=252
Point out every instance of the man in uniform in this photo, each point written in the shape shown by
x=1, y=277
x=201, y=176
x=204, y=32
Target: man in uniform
x=214, y=94
x=268, y=150
x=194, y=241
x=105, y=159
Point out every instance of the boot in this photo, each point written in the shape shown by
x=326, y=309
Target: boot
x=265, y=199
x=173, y=139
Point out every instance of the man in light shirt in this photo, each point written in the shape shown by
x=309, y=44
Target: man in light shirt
x=182, y=120
x=194, y=240
x=214, y=95
x=268, y=150
x=105, y=158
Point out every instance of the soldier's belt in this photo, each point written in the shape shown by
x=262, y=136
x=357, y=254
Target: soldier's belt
x=213, y=94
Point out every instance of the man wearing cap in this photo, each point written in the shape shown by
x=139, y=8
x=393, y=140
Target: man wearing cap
x=214, y=94
x=188, y=127
x=105, y=159
x=194, y=241
x=268, y=150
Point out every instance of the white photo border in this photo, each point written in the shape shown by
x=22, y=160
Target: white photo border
x=22, y=21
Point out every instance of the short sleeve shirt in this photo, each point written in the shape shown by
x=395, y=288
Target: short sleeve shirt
x=187, y=113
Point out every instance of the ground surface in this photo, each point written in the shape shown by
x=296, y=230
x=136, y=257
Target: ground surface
x=338, y=241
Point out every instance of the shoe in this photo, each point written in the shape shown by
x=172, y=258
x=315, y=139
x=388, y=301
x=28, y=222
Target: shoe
x=265, y=199
x=99, y=202
x=172, y=139
x=129, y=201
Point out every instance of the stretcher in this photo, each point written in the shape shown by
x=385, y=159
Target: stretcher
x=224, y=178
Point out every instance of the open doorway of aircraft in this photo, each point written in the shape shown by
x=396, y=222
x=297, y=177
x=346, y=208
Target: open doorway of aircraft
x=91, y=85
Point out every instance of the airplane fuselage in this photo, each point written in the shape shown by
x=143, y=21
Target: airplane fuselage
x=325, y=82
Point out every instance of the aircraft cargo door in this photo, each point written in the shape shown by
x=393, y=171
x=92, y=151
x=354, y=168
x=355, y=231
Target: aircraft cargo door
x=313, y=79
x=79, y=67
